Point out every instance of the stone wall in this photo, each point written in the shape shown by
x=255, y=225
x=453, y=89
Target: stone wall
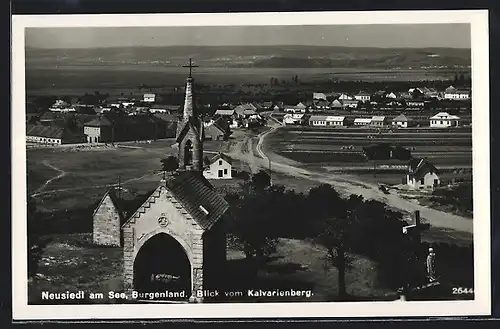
x=106, y=226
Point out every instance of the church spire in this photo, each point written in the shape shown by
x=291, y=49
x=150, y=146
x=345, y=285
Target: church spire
x=190, y=131
x=189, y=110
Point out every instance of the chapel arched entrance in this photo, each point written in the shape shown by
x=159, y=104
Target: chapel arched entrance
x=162, y=264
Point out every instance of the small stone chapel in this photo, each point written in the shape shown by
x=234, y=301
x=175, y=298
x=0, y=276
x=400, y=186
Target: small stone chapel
x=177, y=233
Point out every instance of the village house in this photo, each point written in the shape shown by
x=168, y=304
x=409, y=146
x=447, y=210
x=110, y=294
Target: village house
x=362, y=96
x=322, y=104
x=457, y=94
x=422, y=175
x=362, y=121
x=157, y=108
x=378, y=121
x=225, y=112
x=98, y=130
x=391, y=95
x=344, y=97
x=444, y=120
x=149, y=98
x=336, y=104
x=219, y=167
x=293, y=118
x=337, y=121
x=415, y=103
x=401, y=121
x=317, y=120
x=51, y=135
x=350, y=103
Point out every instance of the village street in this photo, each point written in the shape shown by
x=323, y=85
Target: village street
x=346, y=185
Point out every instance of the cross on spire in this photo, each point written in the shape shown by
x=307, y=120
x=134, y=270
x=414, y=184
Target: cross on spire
x=190, y=66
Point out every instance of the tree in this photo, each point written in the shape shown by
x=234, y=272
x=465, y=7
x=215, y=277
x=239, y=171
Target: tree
x=333, y=224
x=170, y=164
x=261, y=180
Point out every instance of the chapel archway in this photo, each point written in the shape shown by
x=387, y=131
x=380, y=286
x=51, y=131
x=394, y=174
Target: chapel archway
x=162, y=264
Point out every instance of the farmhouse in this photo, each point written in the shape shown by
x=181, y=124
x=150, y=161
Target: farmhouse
x=225, y=112
x=317, y=120
x=293, y=118
x=149, y=98
x=457, y=94
x=99, y=130
x=362, y=121
x=378, y=121
x=391, y=95
x=344, y=97
x=336, y=104
x=444, y=120
x=51, y=135
x=422, y=175
x=322, y=104
x=335, y=120
x=214, y=132
x=350, y=103
x=400, y=121
x=362, y=96
x=219, y=167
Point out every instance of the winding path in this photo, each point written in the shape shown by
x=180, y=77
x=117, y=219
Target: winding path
x=60, y=174
x=349, y=185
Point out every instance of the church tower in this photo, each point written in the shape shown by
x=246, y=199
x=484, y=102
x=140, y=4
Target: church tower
x=190, y=131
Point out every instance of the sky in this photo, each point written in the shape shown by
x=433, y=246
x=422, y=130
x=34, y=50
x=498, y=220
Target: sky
x=384, y=36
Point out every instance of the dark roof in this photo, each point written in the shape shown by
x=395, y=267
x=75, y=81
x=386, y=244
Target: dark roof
x=50, y=115
x=214, y=130
x=44, y=131
x=100, y=121
x=221, y=156
x=419, y=167
x=193, y=190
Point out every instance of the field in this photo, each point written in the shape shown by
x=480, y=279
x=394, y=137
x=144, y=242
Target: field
x=74, y=80
x=325, y=148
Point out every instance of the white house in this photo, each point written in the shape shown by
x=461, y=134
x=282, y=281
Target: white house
x=362, y=96
x=362, y=121
x=400, y=121
x=391, y=95
x=149, y=98
x=422, y=175
x=219, y=167
x=326, y=120
x=444, y=120
x=333, y=120
x=344, y=97
x=317, y=120
x=293, y=118
x=378, y=121
x=457, y=94
x=336, y=104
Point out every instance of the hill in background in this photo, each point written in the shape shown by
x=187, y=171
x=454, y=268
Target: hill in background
x=253, y=57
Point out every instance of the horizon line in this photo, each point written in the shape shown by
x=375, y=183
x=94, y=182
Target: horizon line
x=278, y=45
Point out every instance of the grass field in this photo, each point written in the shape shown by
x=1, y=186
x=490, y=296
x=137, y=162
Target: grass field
x=322, y=147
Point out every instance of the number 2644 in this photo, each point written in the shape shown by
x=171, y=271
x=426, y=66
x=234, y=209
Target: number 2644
x=461, y=291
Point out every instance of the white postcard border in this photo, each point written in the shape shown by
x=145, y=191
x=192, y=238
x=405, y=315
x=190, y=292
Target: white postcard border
x=481, y=171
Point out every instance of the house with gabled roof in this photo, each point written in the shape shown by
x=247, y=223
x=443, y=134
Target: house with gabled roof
x=363, y=96
x=444, y=120
x=219, y=167
x=378, y=121
x=422, y=175
x=401, y=121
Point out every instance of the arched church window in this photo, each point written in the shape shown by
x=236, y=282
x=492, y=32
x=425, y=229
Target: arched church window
x=188, y=153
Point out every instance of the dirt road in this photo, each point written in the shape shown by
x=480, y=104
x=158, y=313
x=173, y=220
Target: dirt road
x=346, y=184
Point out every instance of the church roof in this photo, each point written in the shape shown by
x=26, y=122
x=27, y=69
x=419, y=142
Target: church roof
x=196, y=194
